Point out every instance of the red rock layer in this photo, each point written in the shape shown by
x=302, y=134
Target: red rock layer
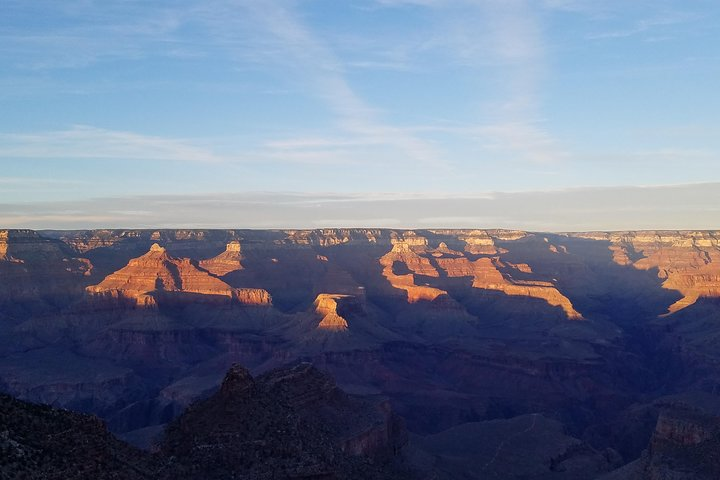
x=689, y=262
x=409, y=251
x=479, y=242
x=3, y=244
x=403, y=252
x=326, y=306
x=157, y=272
x=486, y=275
x=226, y=262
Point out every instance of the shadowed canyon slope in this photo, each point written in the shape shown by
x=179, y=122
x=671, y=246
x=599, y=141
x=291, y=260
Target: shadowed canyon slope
x=291, y=423
x=472, y=335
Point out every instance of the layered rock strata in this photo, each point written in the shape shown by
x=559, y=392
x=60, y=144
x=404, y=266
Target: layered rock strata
x=687, y=261
x=150, y=276
x=226, y=262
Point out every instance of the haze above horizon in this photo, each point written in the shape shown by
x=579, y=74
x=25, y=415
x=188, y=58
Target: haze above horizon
x=537, y=115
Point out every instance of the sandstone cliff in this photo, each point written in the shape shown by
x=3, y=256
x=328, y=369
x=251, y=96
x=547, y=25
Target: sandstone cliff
x=411, y=252
x=403, y=252
x=226, y=262
x=687, y=261
x=326, y=307
x=156, y=273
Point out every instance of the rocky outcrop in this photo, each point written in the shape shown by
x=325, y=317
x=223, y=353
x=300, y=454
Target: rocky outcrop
x=479, y=242
x=403, y=252
x=487, y=276
x=3, y=245
x=289, y=423
x=37, y=272
x=687, y=261
x=455, y=326
x=157, y=274
x=327, y=237
x=38, y=441
x=684, y=445
x=485, y=272
x=84, y=242
x=326, y=306
x=226, y=262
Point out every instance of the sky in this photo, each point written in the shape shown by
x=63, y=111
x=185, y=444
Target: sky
x=530, y=114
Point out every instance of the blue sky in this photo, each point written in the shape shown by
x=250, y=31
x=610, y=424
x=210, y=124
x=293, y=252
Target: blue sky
x=134, y=104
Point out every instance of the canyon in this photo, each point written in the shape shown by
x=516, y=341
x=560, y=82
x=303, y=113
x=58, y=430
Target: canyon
x=288, y=423
x=486, y=343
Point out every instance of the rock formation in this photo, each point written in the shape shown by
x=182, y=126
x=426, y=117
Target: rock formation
x=486, y=275
x=156, y=273
x=37, y=441
x=326, y=306
x=226, y=262
x=689, y=262
x=3, y=244
x=404, y=252
x=37, y=272
x=412, y=252
x=479, y=242
x=684, y=445
x=288, y=423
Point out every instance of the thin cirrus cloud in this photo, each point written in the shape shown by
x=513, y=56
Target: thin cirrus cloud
x=324, y=75
x=85, y=142
x=646, y=26
x=507, y=38
x=120, y=31
x=82, y=142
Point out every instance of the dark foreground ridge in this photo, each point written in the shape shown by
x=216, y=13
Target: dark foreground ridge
x=292, y=423
x=295, y=423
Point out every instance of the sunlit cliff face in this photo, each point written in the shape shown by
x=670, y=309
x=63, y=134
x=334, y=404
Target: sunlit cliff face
x=157, y=272
x=413, y=252
x=689, y=262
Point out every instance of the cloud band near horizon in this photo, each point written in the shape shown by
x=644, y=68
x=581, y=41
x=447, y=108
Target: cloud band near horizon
x=670, y=207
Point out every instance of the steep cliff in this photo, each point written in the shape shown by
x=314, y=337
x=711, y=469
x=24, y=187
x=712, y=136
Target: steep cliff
x=403, y=252
x=326, y=307
x=37, y=273
x=684, y=445
x=412, y=254
x=687, y=261
x=156, y=273
x=226, y=262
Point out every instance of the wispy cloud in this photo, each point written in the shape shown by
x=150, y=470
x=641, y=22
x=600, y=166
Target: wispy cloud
x=98, y=32
x=32, y=181
x=645, y=25
x=503, y=40
x=85, y=142
x=288, y=40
